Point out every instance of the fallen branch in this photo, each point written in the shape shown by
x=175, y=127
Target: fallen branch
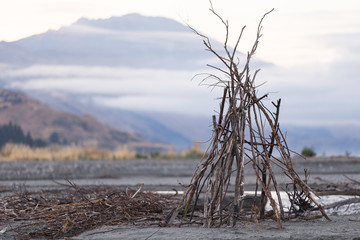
x=342, y=203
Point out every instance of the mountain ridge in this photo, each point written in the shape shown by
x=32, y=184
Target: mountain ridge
x=129, y=22
x=144, y=125
x=132, y=40
x=42, y=122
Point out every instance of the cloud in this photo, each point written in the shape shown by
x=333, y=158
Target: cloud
x=133, y=36
x=322, y=93
x=184, y=104
x=126, y=88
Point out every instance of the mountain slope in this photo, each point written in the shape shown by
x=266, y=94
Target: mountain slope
x=43, y=122
x=131, y=40
x=147, y=126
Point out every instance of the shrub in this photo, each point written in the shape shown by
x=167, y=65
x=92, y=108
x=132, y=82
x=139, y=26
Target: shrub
x=308, y=152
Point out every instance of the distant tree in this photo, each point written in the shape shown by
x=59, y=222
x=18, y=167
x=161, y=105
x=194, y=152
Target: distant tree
x=347, y=153
x=308, y=152
x=28, y=140
x=12, y=133
x=54, y=138
x=39, y=143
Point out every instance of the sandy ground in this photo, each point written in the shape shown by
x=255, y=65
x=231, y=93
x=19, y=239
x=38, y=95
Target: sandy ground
x=344, y=227
x=174, y=174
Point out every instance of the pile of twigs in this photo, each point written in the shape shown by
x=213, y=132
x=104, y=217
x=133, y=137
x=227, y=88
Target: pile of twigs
x=300, y=204
x=352, y=187
x=245, y=130
x=69, y=212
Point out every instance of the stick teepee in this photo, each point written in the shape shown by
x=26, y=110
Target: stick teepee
x=244, y=132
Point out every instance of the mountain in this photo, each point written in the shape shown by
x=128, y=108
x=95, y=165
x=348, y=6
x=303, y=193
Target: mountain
x=326, y=140
x=150, y=126
x=134, y=22
x=45, y=123
x=131, y=40
x=12, y=53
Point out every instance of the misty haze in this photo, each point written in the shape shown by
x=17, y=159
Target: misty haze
x=111, y=128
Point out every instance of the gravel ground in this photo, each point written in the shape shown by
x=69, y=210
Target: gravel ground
x=170, y=174
x=341, y=227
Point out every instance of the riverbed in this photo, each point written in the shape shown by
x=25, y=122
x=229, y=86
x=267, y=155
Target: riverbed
x=175, y=175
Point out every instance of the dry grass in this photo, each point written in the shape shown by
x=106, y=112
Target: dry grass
x=19, y=152
x=15, y=152
x=194, y=152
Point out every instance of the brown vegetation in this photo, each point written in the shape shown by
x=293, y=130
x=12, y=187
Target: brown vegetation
x=19, y=152
x=13, y=152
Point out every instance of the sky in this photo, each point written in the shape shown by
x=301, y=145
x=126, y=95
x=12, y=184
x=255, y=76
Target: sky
x=314, y=44
x=293, y=34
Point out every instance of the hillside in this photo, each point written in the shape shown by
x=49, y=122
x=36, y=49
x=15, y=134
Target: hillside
x=45, y=123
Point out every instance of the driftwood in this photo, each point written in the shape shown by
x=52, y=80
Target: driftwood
x=342, y=203
x=245, y=130
x=61, y=213
x=351, y=188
